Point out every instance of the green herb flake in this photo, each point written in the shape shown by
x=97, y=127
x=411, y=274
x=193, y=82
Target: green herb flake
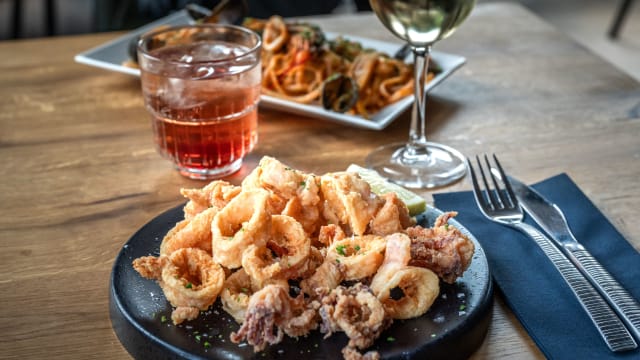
x=207, y=344
x=462, y=307
x=189, y=286
x=163, y=319
x=446, y=226
x=303, y=184
x=391, y=339
x=244, y=290
x=340, y=250
x=198, y=337
x=357, y=247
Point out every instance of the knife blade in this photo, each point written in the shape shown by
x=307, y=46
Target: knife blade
x=552, y=220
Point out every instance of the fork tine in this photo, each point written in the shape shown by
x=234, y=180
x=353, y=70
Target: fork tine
x=498, y=194
x=512, y=196
x=493, y=202
x=477, y=192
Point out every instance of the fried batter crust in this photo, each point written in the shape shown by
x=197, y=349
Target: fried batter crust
x=442, y=249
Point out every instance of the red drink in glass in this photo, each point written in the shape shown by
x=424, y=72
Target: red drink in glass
x=201, y=85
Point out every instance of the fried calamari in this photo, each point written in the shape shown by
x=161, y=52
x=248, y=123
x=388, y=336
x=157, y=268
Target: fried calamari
x=288, y=252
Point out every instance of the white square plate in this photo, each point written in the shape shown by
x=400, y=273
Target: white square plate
x=113, y=54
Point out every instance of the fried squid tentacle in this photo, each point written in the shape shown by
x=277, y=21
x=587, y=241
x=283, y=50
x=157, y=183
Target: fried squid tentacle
x=357, y=312
x=272, y=313
x=443, y=248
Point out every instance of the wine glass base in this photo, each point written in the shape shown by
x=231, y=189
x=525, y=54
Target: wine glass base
x=432, y=166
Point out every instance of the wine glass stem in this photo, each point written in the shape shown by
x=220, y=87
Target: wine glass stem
x=417, y=133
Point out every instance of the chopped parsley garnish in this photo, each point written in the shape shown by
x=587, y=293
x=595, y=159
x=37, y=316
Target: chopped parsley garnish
x=198, y=337
x=357, y=247
x=207, y=344
x=340, y=249
x=163, y=319
x=462, y=307
x=244, y=290
x=189, y=286
x=391, y=339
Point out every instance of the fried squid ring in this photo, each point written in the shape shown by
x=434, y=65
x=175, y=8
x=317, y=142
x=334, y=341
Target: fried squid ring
x=326, y=277
x=360, y=255
x=348, y=201
x=419, y=286
x=308, y=216
x=330, y=233
x=392, y=217
x=283, y=257
x=189, y=279
x=215, y=194
x=194, y=233
x=235, y=295
x=275, y=34
x=244, y=221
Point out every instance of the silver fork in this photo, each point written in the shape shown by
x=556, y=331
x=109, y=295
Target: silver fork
x=497, y=202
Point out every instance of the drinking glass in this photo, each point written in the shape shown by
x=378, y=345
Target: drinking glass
x=201, y=85
x=419, y=163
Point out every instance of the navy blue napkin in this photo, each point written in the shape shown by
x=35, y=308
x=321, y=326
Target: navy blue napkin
x=529, y=283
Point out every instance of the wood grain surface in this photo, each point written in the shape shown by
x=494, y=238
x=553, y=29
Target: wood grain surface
x=79, y=173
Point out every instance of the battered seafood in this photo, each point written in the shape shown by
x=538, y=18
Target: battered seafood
x=272, y=313
x=349, y=201
x=329, y=234
x=244, y=221
x=357, y=312
x=360, y=255
x=284, y=255
x=419, y=286
x=190, y=233
x=189, y=278
x=443, y=248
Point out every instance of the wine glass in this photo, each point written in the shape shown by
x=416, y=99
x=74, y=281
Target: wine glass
x=419, y=163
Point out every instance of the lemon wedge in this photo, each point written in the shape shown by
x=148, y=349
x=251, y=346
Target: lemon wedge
x=379, y=185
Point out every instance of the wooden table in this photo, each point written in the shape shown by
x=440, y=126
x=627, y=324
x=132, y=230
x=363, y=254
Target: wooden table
x=80, y=175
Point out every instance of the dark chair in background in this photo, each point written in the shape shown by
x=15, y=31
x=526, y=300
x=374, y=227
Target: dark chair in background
x=618, y=20
x=17, y=8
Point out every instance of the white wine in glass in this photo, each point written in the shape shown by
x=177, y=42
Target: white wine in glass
x=419, y=163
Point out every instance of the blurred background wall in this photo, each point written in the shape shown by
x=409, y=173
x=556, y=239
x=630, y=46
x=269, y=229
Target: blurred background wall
x=587, y=21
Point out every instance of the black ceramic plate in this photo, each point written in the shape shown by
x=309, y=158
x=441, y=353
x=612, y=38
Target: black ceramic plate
x=454, y=327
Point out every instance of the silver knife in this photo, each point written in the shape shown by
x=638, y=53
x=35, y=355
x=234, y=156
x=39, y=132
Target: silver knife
x=549, y=216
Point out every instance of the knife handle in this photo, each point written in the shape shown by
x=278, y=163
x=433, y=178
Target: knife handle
x=620, y=300
x=611, y=329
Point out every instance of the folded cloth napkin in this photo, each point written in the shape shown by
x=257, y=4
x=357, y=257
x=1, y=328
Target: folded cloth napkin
x=529, y=283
